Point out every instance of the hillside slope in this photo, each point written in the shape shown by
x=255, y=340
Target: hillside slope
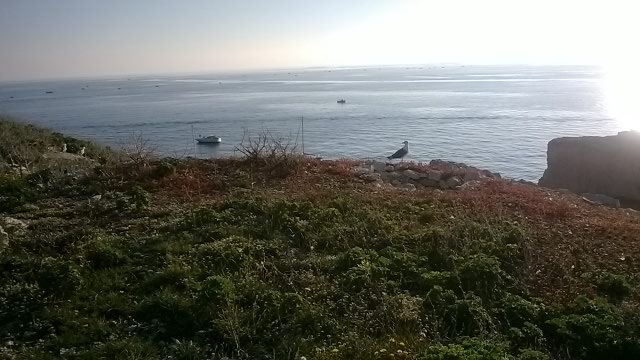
x=288, y=258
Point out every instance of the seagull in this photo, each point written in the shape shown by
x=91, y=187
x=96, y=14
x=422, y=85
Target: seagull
x=81, y=152
x=401, y=152
x=64, y=147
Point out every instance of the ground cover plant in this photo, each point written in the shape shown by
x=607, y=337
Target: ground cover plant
x=197, y=259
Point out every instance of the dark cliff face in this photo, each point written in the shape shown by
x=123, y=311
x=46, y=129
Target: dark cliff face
x=607, y=165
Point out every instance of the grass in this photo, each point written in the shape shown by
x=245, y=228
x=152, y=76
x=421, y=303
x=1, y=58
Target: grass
x=195, y=259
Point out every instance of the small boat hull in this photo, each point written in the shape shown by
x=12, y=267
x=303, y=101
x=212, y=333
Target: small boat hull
x=209, y=140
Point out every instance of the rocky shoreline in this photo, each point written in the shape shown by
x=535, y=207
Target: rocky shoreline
x=437, y=174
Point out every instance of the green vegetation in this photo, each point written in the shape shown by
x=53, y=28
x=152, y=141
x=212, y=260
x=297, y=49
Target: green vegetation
x=229, y=259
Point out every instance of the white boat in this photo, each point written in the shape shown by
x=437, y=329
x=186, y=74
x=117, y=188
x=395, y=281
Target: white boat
x=209, y=139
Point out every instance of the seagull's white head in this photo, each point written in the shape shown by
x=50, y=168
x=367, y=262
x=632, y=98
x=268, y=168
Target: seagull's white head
x=406, y=143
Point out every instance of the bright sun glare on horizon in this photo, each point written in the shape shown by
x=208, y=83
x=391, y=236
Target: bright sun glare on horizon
x=621, y=96
x=499, y=31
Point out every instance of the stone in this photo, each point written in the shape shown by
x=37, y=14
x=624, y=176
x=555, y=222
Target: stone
x=471, y=175
x=373, y=177
x=411, y=174
x=389, y=176
x=454, y=182
x=601, y=199
x=442, y=184
x=378, y=166
x=389, y=168
x=608, y=165
x=434, y=175
x=428, y=183
x=396, y=182
x=407, y=187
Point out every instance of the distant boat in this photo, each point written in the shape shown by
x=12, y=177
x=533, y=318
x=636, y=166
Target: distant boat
x=342, y=101
x=209, y=139
x=49, y=92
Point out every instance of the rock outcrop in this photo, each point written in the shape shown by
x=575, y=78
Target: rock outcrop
x=607, y=165
x=437, y=174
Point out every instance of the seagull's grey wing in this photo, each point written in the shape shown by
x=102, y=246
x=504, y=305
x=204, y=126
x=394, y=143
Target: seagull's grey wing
x=398, y=154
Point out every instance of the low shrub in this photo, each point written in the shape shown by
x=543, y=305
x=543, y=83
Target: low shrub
x=615, y=287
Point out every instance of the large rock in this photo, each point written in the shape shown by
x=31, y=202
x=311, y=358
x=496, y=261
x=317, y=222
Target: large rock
x=434, y=175
x=411, y=174
x=453, y=182
x=607, y=165
x=602, y=200
x=378, y=166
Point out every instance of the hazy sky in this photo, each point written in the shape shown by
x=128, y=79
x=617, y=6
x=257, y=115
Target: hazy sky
x=68, y=38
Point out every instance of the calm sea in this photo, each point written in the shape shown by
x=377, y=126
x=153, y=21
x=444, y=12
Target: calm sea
x=494, y=117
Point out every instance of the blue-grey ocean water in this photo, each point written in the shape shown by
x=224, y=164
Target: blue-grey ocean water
x=494, y=117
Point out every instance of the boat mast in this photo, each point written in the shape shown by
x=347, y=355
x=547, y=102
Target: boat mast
x=193, y=135
x=303, y=136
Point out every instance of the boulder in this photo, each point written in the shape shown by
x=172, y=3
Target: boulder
x=453, y=182
x=434, y=175
x=407, y=187
x=389, y=168
x=373, y=177
x=390, y=176
x=601, y=199
x=428, y=183
x=378, y=166
x=471, y=174
x=411, y=174
x=608, y=165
